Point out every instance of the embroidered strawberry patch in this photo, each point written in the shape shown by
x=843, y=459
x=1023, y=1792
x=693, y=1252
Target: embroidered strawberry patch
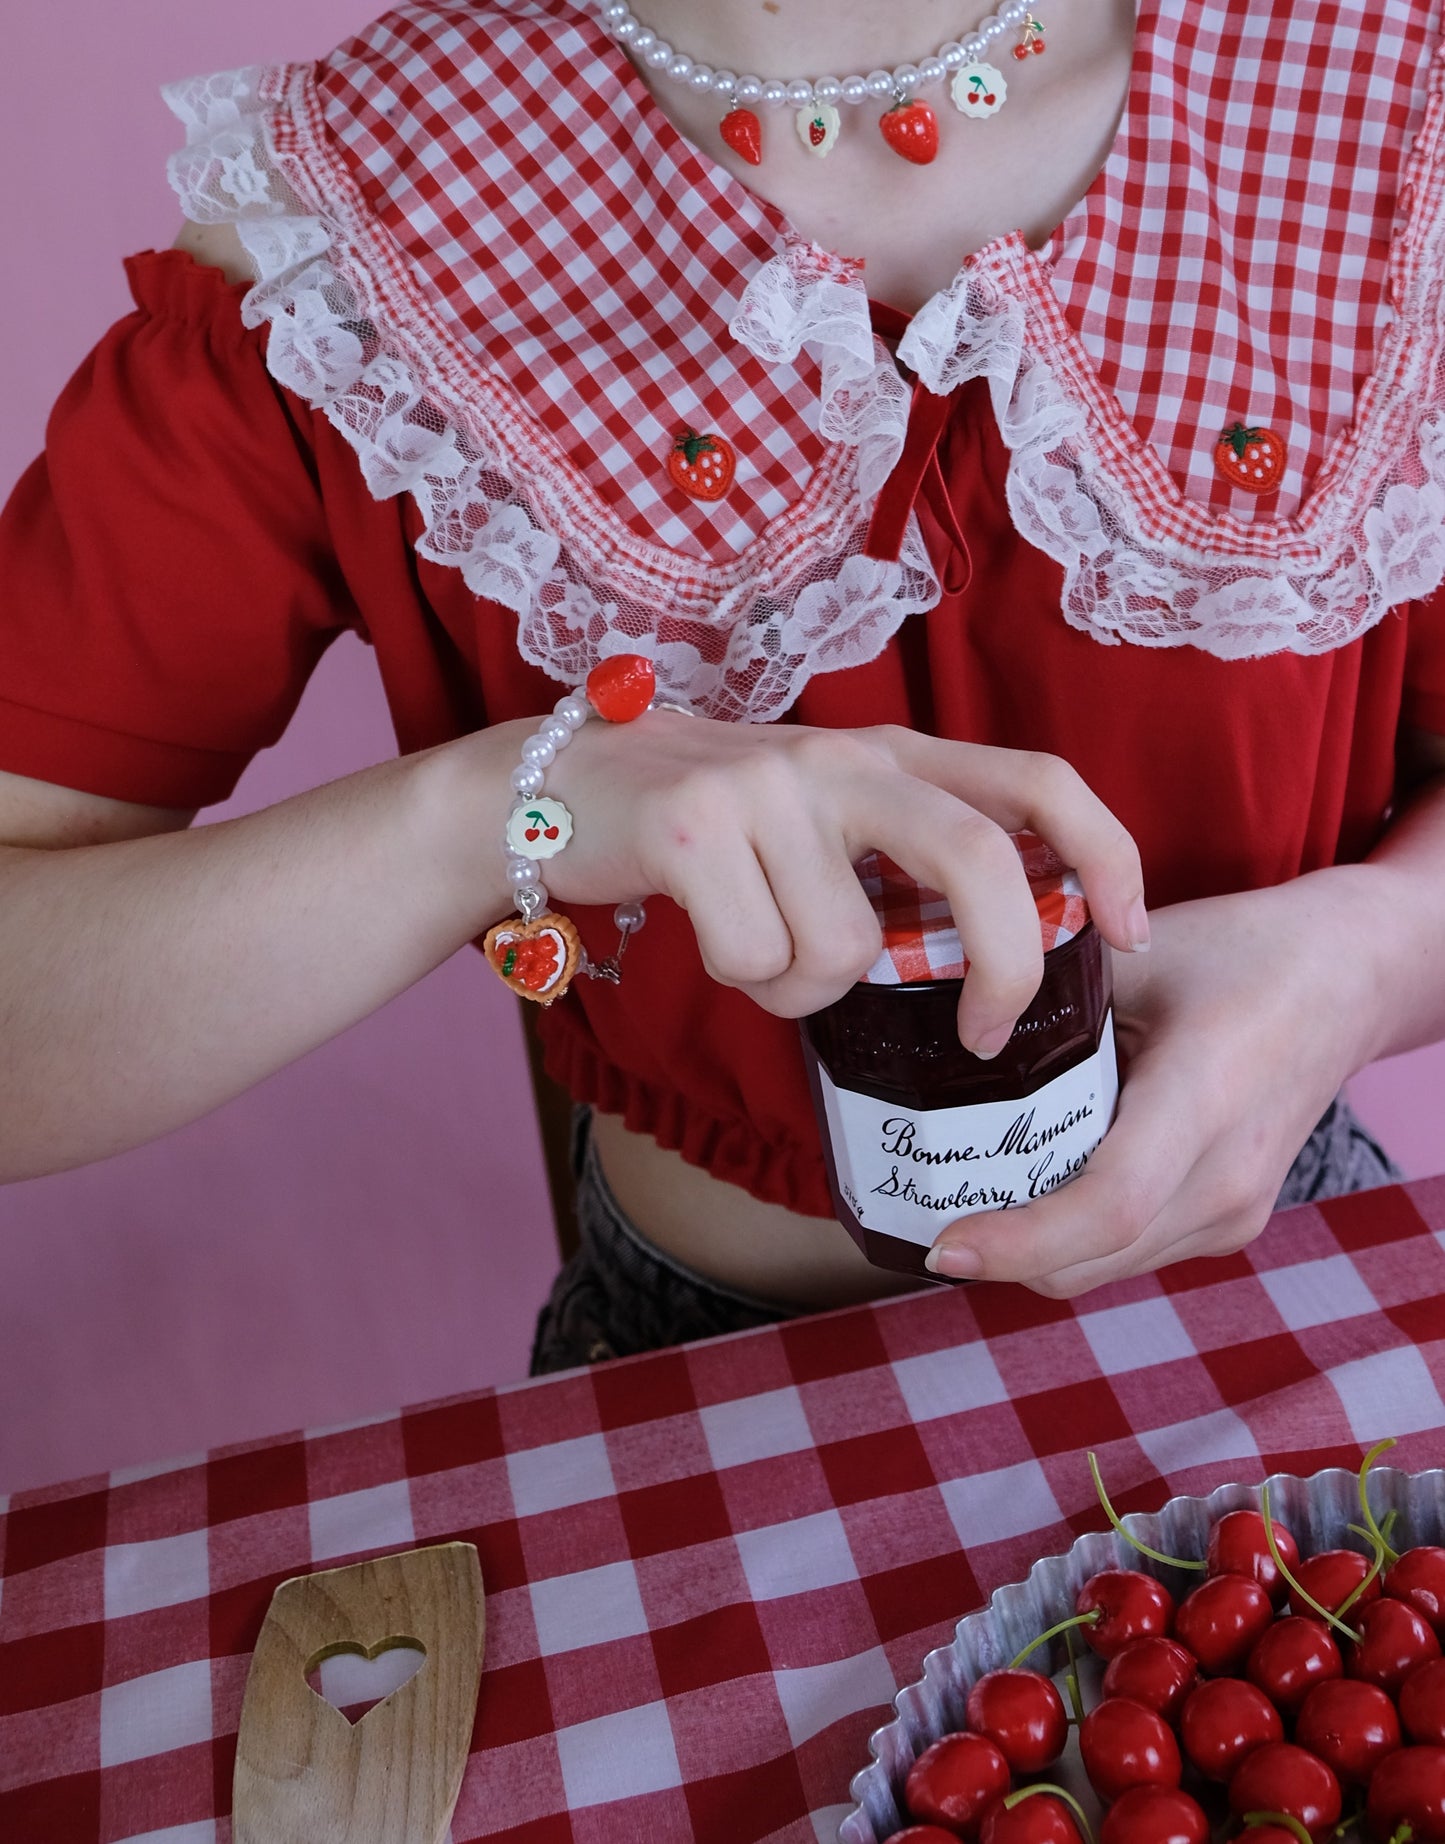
x=1250, y=458
x=702, y=465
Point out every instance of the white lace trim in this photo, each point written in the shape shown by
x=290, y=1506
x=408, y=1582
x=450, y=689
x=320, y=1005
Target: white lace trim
x=350, y=333
x=1145, y=565
x=1141, y=563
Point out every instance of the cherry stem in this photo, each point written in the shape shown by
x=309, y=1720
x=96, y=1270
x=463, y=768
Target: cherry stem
x=1365, y=1465
x=1058, y=1792
x=1379, y=1548
x=1283, y=1567
x=1071, y=1678
x=1405, y=1835
x=1092, y=1618
x=1253, y=1820
x=1174, y=1562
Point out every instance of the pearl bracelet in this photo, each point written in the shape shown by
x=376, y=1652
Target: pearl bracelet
x=539, y=953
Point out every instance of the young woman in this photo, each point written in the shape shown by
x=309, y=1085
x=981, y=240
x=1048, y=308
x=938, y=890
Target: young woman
x=989, y=546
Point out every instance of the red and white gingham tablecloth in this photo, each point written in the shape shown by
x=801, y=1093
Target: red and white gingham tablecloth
x=707, y=1570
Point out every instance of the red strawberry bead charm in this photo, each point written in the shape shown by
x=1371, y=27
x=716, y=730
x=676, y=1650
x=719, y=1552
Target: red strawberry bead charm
x=1250, y=458
x=743, y=132
x=702, y=465
x=911, y=129
x=621, y=687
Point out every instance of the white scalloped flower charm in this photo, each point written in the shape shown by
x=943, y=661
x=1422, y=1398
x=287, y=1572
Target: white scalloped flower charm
x=979, y=91
x=817, y=127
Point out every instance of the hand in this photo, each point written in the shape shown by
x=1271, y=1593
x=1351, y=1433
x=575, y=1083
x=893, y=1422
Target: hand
x=1235, y=1034
x=754, y=830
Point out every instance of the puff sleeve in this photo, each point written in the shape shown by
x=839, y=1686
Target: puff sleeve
x=166, y=580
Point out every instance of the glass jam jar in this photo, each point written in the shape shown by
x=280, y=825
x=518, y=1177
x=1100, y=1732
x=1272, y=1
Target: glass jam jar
x=917, y=1131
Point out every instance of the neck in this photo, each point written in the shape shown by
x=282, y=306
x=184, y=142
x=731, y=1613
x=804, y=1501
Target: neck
x=808, y=38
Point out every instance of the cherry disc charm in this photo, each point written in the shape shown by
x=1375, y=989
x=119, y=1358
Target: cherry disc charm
x=743, y=132
x=911, y=129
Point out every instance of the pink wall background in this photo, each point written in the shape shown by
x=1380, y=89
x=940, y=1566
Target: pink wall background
x=167, y=1300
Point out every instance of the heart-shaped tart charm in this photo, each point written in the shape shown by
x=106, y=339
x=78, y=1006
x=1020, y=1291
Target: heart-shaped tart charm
x=537, y=959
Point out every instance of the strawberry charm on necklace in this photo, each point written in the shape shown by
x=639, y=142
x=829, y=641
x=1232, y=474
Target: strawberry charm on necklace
x=909, y=125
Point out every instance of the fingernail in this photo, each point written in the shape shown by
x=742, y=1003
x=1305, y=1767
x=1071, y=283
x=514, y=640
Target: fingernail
x=988, y=1047
x=1137, y=923
x=954, y=1264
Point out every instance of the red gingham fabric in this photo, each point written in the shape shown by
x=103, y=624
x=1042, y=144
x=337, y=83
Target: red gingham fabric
x=1261, y=149
x=707, y=1570
x=611, y=259
x=920, y=938
x=1231, y=263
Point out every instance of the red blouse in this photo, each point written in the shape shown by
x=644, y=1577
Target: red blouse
x=194, y=537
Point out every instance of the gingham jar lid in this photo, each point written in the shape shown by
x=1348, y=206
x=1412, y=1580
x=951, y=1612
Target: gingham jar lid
x=920, y=937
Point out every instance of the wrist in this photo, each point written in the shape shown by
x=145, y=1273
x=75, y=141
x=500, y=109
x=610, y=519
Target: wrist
x=460, y=797
x=1373, y=955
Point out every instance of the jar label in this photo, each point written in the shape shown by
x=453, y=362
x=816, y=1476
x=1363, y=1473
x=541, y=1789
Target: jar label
x=906, y=1172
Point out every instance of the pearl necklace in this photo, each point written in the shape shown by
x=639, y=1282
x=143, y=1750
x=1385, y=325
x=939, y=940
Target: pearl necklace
x=909, y=126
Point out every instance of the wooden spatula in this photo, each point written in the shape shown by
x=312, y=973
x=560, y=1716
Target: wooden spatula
x=304, y=1774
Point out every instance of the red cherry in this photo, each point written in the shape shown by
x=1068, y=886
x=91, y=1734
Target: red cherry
x=1124, y=1744
x=1407, y=1796
x=1418, y=1579
x=1224, y=1721
x=1039, y=46
x=1039, y=1819
x=1331, y=1577
x=990, y=99
x=924, y=1834
x=954, y=1782
x=1155, y=1815
x=1422, y=1704
x=1156, y=1672
x=552, y=832
x=1394, y=1643
x=1021, y=51
x=1132, y=1605
x=1290, y=1658
x=531, y=833
x=1351, y=1726
x=1282, y=1778
x=1221, y=1620
x=1238, y=1546
x=621, y=687
x=1022, y=1714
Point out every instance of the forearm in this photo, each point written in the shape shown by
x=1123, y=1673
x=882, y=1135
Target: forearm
x=143, y=983
x=1393, y=906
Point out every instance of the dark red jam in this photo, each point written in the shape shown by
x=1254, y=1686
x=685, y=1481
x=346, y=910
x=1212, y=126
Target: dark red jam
x=917, y=1131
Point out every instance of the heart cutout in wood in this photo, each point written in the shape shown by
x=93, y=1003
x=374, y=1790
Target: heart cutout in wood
x=354, y=1679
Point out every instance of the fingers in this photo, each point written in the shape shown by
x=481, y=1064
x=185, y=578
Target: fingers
x=1024, y=791
x=1105, y=1221
x=949, y=846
